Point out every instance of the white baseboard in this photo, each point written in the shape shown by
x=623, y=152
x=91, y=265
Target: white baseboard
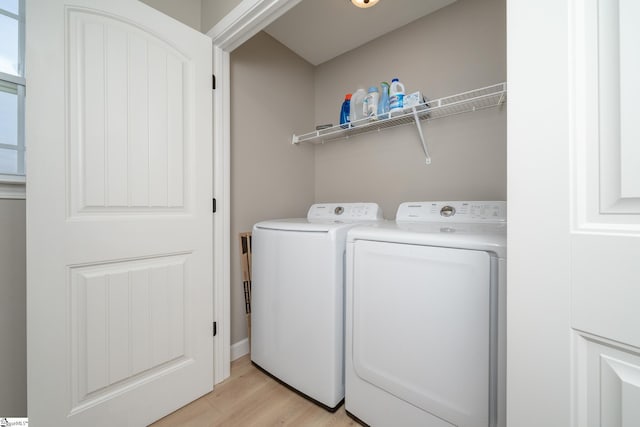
x=239, y=349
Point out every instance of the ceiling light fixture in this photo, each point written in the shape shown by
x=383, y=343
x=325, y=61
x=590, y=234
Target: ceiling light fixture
x=364, y=3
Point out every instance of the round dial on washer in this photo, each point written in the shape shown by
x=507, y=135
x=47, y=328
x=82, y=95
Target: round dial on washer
x=338, y=210
x=447, y=211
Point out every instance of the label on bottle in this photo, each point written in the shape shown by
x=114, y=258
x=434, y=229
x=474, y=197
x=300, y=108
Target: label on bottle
x=396, y=101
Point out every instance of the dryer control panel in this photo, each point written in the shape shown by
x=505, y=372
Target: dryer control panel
x=476, y=211
x=345, y=212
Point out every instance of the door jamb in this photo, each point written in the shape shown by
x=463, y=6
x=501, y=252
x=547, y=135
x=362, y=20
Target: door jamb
x=242, y=23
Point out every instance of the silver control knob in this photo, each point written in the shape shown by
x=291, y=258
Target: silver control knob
x=338, y=210
x=447, y=211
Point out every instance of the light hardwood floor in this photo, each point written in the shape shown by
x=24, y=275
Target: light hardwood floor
x=251, y=398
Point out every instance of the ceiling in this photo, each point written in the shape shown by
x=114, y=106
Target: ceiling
x=320, y=30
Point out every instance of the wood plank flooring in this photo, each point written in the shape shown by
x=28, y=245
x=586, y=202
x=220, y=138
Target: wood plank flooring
x=251, y=398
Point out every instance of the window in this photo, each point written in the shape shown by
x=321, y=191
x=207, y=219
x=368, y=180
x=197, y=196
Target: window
x=12, y=93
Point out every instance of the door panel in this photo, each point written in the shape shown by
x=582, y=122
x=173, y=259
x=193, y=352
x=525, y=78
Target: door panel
x=605, y=227
x=629, y=13
x=119, y=214
x=127, y=115
x=127, y=322
x=606, y=143
x=610, y=376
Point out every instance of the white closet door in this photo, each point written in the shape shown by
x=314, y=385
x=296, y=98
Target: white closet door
x=605, y=227
x=574, y=222
x=119, y=217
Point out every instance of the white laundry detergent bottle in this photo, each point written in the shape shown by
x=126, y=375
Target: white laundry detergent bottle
x=396, y=98
x=371, y=103
x=357, y=107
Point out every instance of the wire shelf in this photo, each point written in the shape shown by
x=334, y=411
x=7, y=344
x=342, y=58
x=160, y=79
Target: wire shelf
x=465, y=102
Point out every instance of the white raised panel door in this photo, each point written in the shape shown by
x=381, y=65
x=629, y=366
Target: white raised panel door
x=574, y=224
x=605, y=222
x=119, y=217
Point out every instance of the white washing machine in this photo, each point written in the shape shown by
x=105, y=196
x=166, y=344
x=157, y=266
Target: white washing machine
x=425, y=317
x=298, y=298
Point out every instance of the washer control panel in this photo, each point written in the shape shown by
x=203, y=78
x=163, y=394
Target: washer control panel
x=345, y=212
x=477, y=211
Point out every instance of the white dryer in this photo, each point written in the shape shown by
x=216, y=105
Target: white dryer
x=425, y=317
x=298, y=298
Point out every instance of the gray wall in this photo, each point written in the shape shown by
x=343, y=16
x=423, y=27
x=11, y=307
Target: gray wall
x=214, y=10
x=458, y=48
x=13, y=320
x=186, y=11
x=271, y=89
x=199, y=14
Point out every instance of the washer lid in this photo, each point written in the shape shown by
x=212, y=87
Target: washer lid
x=305, y=225
x=324, y=217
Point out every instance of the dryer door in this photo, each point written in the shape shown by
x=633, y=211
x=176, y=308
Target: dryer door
x=421, y=327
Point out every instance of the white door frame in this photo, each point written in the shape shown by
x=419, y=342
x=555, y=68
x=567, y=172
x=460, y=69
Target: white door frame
x=242, y=23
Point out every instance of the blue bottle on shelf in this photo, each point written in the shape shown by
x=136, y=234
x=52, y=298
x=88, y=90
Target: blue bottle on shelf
x=345, y=111
x=383, y=105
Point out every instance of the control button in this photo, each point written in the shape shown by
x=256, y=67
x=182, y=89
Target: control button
x=447, y=211
x=339, y=210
